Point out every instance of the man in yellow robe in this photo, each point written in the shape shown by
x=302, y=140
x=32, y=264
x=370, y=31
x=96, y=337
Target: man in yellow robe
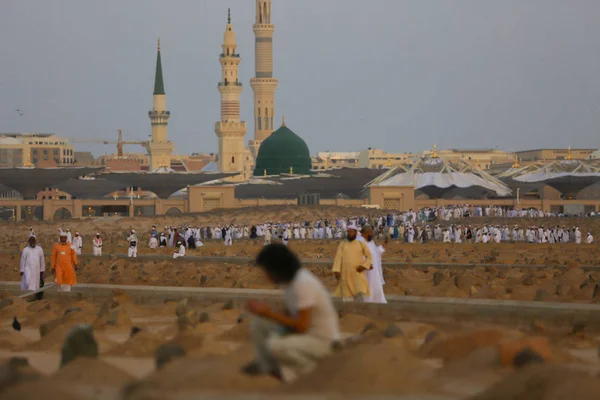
x=352, y=260
x=64, y=264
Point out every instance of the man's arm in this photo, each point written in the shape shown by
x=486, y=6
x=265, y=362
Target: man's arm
x=23, y=261
x=299, y=324
x=337, y=263
x=42, y=261
x=74, y=259
x=368, y=262
x=53, y=261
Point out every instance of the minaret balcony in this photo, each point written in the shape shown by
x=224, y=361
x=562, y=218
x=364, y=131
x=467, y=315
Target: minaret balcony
x=230, y=55
x=158, y=114
x=230, y=84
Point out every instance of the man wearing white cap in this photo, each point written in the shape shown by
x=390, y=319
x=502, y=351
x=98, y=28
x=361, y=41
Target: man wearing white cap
x=132, y=240
x=352, y=260
x=77, y=243
x=375, y=274
x=32, y=266
x=590, y=238
x=64, y=264
x=97, y=245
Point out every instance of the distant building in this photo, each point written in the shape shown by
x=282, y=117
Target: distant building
x=340, y=159
x=42, y=150
x=554, y=154
x=84, y=159
x=377, y=158
x=479, y=158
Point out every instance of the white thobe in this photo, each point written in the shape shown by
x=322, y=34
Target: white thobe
x=375, y=275
x=97, y=247
x=77, y=244
x=32, y=264
x=577, y=236
x=590, y=239
x=180, y=253
x=446, y=237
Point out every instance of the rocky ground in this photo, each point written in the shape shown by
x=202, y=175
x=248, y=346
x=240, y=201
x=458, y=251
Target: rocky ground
x=392, y=356
x=207, y=345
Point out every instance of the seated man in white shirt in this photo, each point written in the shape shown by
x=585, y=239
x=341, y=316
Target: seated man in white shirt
x=290, y=344
x=180, y=252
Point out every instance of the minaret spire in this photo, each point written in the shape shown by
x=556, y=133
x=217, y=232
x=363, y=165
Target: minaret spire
x=263, y=84
x=159, y=148
x=159, y=85
x=230, y=129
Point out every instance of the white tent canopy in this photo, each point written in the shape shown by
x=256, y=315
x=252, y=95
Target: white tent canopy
x=560, y=169
x=442, y=174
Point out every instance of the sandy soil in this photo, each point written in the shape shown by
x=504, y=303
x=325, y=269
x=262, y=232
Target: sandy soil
x=563, y=281
x=455, y=361
x=436, y=359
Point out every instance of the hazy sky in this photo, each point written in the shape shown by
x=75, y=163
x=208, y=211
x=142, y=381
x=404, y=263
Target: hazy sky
x=393, y=74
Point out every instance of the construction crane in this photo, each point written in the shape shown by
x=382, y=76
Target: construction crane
x=119, y=142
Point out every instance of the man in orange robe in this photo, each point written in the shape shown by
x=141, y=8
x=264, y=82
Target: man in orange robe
x=64, y=264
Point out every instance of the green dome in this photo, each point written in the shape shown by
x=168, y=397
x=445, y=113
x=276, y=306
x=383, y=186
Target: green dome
x=282, y=151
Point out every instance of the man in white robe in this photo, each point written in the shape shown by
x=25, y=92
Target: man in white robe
x=374, y=275
x=589, y=239
x=577, y=236
x=97, y=245
x=446, y=236
x=32, y=266
x=69, y=238
x=267, y=236
x=132, y=240
x=77, y=243
x=180, y=250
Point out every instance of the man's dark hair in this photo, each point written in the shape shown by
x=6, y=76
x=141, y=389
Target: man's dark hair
x=279, y=263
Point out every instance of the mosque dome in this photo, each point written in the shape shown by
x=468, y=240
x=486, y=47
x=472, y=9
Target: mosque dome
x=281, y=153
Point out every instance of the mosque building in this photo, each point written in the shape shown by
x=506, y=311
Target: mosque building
x=270, y=152
x=283, y=152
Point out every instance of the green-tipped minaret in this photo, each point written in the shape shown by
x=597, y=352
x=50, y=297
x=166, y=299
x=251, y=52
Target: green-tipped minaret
x=159, y=85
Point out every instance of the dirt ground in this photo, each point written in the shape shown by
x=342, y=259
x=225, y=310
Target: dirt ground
x=452, y=361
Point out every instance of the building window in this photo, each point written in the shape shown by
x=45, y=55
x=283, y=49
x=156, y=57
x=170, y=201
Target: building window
x=233, y=159
x=266, y=118
x=259, y=120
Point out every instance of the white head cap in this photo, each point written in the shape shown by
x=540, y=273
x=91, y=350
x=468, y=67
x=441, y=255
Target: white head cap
x=133, y=231
x=63, y=234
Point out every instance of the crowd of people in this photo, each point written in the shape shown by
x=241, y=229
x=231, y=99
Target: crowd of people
x=292, y=343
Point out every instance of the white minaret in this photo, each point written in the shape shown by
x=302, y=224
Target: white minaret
x=263, y=84
x=230, y=130
x=159, y=148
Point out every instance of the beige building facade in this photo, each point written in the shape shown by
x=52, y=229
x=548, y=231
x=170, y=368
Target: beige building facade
x=230, y=129
x=554, y=154
x=209, y=198
x=377, y=158
x=42, y=150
